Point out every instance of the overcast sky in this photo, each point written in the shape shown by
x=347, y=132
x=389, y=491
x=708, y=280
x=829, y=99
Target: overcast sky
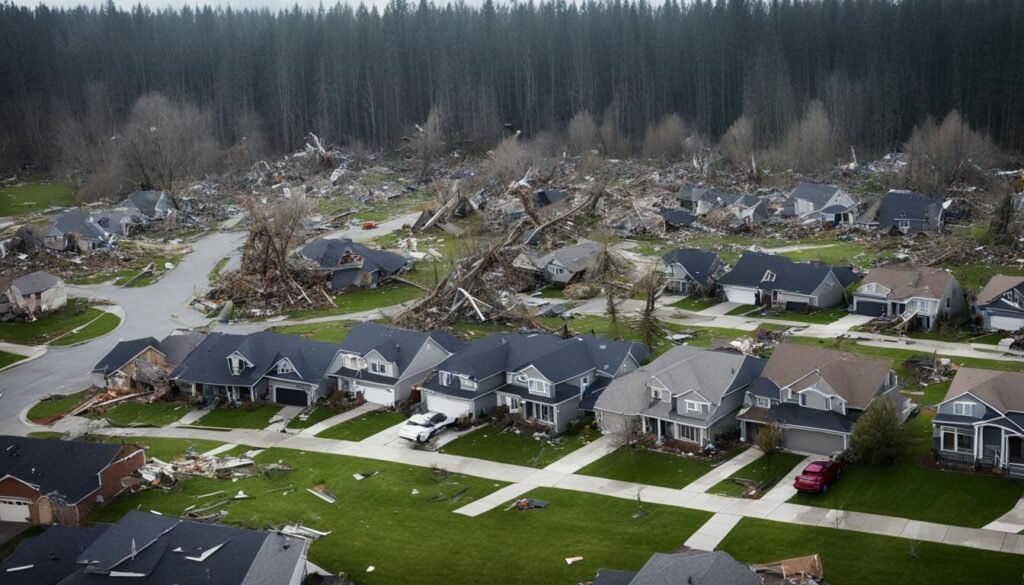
x=272, y=4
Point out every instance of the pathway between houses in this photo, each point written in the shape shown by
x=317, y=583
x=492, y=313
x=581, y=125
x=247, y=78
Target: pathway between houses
x=337, y=419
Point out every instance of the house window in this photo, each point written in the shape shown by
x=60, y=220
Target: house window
x=688, y=433
x=659, y=393
x=769, y=276
x=869, y=287
x=693, y=406
x=763, y=402
x=584, y=383
x=378, y=367
x=803, y=400
x=467, y=383
x=963, y=408
x=557, y=270
x=957, y=440
x=285, y=367
x=522, y=379
x=538, y=387
x=949, y=302
x=545, y=413
x=446, y=378
x=236, y=365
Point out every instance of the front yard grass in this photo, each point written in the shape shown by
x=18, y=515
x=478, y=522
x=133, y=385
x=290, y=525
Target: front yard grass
x=820, y=317
x=364, y=299
x=911, y=490
x=239, y=418
x=764, y=469
x=9, y=359
x=742, y=310
x=157, y=414
x=516, y=449
x=98, y=327
x=433, y=548
x=853, y=558
x=60, y=322
x=364, y=426
x=32, y=197
x=45, y=409
x=320, y=413
x=696, y=304
x=640, y=465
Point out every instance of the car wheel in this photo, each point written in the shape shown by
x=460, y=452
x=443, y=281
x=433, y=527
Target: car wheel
x=421, y=439
x=824, y=488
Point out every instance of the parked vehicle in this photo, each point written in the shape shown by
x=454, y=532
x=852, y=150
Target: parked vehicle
x=818, y=476
x=422, y=427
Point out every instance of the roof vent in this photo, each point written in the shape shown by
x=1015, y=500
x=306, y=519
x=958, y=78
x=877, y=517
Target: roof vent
x=603, y=346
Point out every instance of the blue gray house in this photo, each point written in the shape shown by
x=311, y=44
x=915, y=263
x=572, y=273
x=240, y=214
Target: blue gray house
x=348, y=264
x=768, y=279
x=820, y=203
x=1001, y=303
x=691, y=270
x=910, y=213
x=693, y=567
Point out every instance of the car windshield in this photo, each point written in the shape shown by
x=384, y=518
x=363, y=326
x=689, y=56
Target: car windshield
x=814, y=469
x=420, y=422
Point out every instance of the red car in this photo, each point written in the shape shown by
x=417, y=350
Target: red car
x=818, y=476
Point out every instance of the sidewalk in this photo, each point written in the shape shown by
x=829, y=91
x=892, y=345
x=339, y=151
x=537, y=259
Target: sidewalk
x=338, y=419
x=585, y=455
x=784, y=490
x=190, y=418
x=1012, y=521
x=709, y=479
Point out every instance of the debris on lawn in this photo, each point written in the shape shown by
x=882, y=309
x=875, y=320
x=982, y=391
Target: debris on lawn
x=571, y=560
x=241, y=495
x=362, y=476
x=415, y=492
x=929, y=370
x=323, y=493
x=158, y=473
x=527, y=504
x=796, y=571
x=303, y=531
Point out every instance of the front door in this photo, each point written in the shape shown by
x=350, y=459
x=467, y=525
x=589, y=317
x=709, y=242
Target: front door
x=1015, y=449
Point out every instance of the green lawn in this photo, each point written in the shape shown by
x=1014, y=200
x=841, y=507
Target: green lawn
x=837, y=254
x=932, y=394
x=854, y=558
x=157, y=414
x=45, y=409
x=819, y=317
x=34, y=197
x=364, y=299
x=742, y=310
x=764, y=469
x=163, y=448
x=696, y=304
x=640, y=465
x=59, y=323
x=910, y=490
x=331, y=331
x=320, y=413
x=239, y=418
x=9, y=359
x=364, y=426
x=975, y=275
x=432, y=549
x=552, y=293
x=218, y=268
x=517, y=449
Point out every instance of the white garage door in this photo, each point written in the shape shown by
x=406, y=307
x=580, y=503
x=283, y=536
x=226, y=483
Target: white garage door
x=743, y=296
x=1006, y=323
x=804, y=441
x=448, y=406
x=14, y=510
x=377, y=395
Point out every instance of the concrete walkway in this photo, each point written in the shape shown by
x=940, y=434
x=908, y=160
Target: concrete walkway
x=585, y=455
x=1012, y=521
x=287, y=414
x=190, y=417
x=494, y=499
x=723, y=471
x=713, y=532
x=218, y=450
x=784, y=490
x=338, y=419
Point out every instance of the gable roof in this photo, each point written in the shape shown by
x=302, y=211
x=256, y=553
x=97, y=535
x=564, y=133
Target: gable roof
x=36, y=282
x=817, y=194
x=122, y=353
x=694, y=566
x=207, y=363
x=77, y=221
x=996, y=286
x=327, y=253
x=179, y=344
x=53, y=555
x=578, y=258
x=677, y=217
x=148, y=203
x=855, y=378
x=1003, y=391
x=395, y=344
x=799, y=277
x=697, y=262
x=897, y=205
x=69, y=468
x=904, y=282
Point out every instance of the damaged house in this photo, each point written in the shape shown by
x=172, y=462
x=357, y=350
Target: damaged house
x=815, y=202
x=816, y=396
x=1000, y=305
x=566, y=265
x=144, y=365
x=691, y=567
x=687, y=394
x=918, y=296
x=77, y=230
x=348, y=264
x=153, y=205
x=691, y=271
x=770, y=280
x=383, y=364
x=32, y=295
x=539, y=378
x=730, y=208
x=49, y=481
x=907, y=213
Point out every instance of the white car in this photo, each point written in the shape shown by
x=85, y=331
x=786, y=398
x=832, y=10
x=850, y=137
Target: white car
x=421, y=427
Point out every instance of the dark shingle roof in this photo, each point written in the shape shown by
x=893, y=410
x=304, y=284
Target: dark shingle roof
x=396, y=345
x=122, y=353
x=208, y=364
x=696, y=567
x=328, y=252
x=696, y=261
x=897, y=205
x=789, y=414
x=799, y=277
x=53, y=555
x=817, y=194
x=177, y=346
x=36, y=282
x=69, y=468
x=76, y=221
x=149, y=202
x=678, y=217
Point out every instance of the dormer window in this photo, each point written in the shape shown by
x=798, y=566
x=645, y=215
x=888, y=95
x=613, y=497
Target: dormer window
x=285, y=367
x=963, y=408
x=538, y=387
x=445, y=378
x=769, y=276
x=870, y=287
x=378, y=367
x=237, y=365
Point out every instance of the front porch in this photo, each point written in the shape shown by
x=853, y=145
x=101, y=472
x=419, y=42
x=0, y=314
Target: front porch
x=989, y=446
x=667, y=430
x=229, y=394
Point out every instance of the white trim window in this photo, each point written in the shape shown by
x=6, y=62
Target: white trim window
x=285, y=367
x=445, y=378
x=545, y=412
x=539, y=387
x=769, y=276
x=584, y=384
x=236, y=364
x=378, y=367
x=963, y=408
x=660, y=393
x=763, y=402
x=557, y=270
x=467, y=383
x=695, y=407
x=688, y=433
x=957, y=440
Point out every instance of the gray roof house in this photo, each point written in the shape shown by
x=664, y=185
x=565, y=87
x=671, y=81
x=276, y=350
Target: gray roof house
x=76, y=229
x=917, y=296
x=383, y=364
x=349, y=264
x=151, y=204
x=1001, y=303
x=132, y=364
x=768, y=279
x=691, y=270
x=564, y=264
x=693, y=567
x=152, y=549
x=32, y=295
x=686, y=394
x=820, y=203
x=981, y=421
x=910, y=213
x=816, y=396
x=538, y=377
x=701, y=200
x=283, y=369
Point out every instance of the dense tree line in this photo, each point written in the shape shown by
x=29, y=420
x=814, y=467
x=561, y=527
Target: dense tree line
x=876, y=68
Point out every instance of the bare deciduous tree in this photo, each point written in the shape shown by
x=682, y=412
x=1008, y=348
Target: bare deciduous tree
x=810, y=145
x=650, y=327
x=665, y=140
x=737, y=145
x=429, y=139
x=583, y=134
x=274, y=231
x=769, y=439
x=942, y=154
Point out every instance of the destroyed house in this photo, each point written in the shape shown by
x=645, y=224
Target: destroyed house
x=152, y=205
x=49, y=481
x=692, y=567
x=539, y=378
x=816, y=396
x=349, y=264
x=144, y=364
x=770, y=280
x=677, y=218
x=691, y=271
x=264, y=366
x=566, y=264
x=32, y=295
x=980, y=422
x=77, y=230
x=687, y=394
x=1000, y=305
x=821, y=203
x=909, y=213
x=701, y=200
x=151, y=549
x=917, y=296
x=383, y=364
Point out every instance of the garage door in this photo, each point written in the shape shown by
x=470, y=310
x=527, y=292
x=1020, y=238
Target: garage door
x=743, y=296
x=870, y=309
x=377, y=395
x=1006, y=323
x=450, y=406
x=802, y=441
x=14, y=510
x=291, y=396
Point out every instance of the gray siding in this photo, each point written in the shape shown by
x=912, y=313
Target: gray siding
x=829, y=292
x=979, y=407
x=566, y=413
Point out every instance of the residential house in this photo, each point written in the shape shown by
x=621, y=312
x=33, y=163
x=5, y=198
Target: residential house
x=909, y=213
x=151, y=549
x=691, y=271
x=32, y=295
x=692, y=567
x=1000, y=305
x=264, y=366
x=771, y=280
x=916, y=295
x=77, y=230
x=686, y=394
x=384, y=364
x=820, y=203
x=981, y=421
x=676, y=219
x=816, y=395
x=152, y=205
x=564, y=265
x=139, y=365
x=541, y=378
x=49, y=481
x=701, y=200
x=349, y=264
